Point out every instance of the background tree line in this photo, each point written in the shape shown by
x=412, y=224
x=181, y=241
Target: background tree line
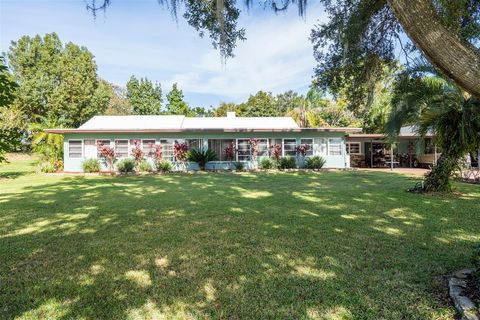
x=57, y=85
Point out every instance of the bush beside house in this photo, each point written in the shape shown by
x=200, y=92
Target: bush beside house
x=91, y=165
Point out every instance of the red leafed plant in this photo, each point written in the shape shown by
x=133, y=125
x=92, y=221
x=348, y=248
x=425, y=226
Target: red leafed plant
x=180, y=151
x=302, y=149
x=157, y=152
x=254, y=147
x=276, y=151
x=108, y=155
x=229, y=151
x=137, y=152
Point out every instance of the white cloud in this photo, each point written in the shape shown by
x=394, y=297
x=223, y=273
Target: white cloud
x=277, y=56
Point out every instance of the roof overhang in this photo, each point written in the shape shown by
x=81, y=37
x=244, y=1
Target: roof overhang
x=209, y=130
x=382, y=136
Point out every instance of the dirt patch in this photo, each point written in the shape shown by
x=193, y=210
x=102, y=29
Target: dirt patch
x=20, y=156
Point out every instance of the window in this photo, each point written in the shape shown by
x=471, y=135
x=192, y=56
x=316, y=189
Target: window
x=194, y=144
x=219, y=146
x=309, y=144
x=289, y=147
x=353, y=148
x=335, y=147
x=167, y=149
x=121, y=148
x=89, y=149
x=262, y=148
x=320, y=146
x=147, y=147
x=75, y=148
x=100, y=144
x=243, y=150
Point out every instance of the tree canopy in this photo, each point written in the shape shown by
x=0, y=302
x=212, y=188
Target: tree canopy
x=144, y=96
x=175, y=102
x=55, y=80
x=118, y=104
x=10, y=122
x=362, y=40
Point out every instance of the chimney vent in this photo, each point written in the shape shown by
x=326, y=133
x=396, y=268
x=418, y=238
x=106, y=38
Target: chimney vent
x=231, y=114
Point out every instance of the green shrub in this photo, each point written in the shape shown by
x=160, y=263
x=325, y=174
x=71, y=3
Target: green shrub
x=287, y=163
x=315, y=162
x=145, y=166
x=163, y=165
x=267, y=163
x=201, y=156
x=126, y=165
x=91, y=165
x=47, y=167
x=239, y=166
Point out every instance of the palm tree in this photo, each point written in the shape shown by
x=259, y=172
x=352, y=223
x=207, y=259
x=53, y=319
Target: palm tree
x=435, y=105
x=309, y=109
x=299, y=113
x=49, y=146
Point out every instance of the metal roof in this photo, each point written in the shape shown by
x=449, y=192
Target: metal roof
x=405, y=132
x=179, y=123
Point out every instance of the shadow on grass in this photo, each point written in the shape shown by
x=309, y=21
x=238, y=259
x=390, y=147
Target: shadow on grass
x=12, y=175
x=230, y=246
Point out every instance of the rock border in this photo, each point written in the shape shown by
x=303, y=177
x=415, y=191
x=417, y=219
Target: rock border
x=464, y=305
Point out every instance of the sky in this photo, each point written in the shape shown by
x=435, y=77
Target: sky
x=138, y=37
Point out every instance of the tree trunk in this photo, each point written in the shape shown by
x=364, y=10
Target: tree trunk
x=438, y=179
x=456, y=59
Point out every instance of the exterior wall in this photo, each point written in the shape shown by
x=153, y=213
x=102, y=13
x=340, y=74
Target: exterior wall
x=321, y=145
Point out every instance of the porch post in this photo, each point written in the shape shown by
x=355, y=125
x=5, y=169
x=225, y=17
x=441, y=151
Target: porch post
x=478, y=159
x=391, y=157
x=435, y=158
x=371, y=153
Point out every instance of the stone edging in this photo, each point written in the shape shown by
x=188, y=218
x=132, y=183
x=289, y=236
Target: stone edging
x=456, y=287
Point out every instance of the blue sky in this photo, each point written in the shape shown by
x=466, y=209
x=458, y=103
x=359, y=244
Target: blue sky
x=143, y=40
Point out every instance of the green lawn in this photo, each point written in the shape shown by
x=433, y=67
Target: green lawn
x=335, y=245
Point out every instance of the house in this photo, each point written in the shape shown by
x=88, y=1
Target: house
x=215, y=133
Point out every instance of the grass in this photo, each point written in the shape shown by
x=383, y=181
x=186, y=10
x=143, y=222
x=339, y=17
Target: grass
x=334, y=245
